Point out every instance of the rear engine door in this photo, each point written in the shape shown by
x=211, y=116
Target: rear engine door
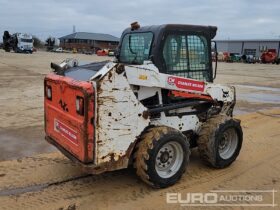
x=69, y=110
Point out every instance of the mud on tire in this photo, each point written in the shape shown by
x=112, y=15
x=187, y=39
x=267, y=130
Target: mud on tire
x=213, y=133
x=162, y=156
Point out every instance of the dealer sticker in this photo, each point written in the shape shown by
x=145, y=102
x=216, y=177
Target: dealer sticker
x=186, y=84
x=65, y=131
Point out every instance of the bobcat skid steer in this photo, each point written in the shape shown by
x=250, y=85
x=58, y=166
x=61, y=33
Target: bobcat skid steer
x=147, y=108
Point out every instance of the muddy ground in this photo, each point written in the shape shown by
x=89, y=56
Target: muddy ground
x=46, y=180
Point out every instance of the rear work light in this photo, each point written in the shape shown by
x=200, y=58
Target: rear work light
x=80, y=105
x=49, y=92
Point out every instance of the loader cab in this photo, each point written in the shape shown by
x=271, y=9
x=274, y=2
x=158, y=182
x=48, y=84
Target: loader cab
x=181, y=50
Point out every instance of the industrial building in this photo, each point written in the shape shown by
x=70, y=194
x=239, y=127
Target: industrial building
x=89, y=41
x=248, y=47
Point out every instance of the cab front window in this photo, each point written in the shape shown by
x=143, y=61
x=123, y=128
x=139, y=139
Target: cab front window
x=136, y=48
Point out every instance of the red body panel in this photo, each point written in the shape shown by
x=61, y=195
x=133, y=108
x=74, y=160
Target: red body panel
x=69, y=129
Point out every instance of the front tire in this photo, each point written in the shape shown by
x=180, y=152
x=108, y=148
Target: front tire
x=162, y=156
x=220, y=141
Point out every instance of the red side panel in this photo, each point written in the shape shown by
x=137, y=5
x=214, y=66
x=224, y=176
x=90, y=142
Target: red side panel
x=70, y=129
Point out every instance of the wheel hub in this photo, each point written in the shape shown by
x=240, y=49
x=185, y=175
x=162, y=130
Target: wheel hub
x=224, y=142
x=164, y=157
x=169, y=159
x=228, y=143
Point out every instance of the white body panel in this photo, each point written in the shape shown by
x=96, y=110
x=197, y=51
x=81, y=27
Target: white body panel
x=184, y=123
x=220, y=92
x=119, y=117
x=149, y=76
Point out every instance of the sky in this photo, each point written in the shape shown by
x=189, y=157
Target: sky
x=236, y=19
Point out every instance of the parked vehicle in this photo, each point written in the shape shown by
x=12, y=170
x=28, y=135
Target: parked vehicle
x=58, y=50
x=235, y=57
x=103, y=52
x=231, y=57
x=95, y=49
x=226, y=57
x=18, y=42
x=249, y=59
x=74, y=50
x=111, y=52
x=270, y=56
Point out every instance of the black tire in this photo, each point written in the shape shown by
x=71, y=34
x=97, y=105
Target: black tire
x=153, y=141
x=212, y=133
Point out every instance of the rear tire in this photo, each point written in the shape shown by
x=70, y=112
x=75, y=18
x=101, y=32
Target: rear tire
x=220, y=141
x=162, y=156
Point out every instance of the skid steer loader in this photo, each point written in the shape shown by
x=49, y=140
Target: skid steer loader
x=145, y=109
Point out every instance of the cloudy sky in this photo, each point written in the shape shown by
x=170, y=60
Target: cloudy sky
x=236, y=19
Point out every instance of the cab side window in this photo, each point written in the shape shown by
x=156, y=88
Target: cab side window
x=187, y=56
